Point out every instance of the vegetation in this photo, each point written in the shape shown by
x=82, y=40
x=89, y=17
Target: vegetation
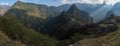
x=17, y=31
x=111, y=39
x=18, y=24
x=6, y=41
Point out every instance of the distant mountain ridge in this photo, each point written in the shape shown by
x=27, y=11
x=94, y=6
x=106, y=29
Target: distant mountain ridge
x=3, y=9
x=83, y=6
x=116, y=9
x=92, y=9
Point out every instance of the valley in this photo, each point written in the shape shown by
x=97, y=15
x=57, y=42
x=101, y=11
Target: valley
x=30, y=24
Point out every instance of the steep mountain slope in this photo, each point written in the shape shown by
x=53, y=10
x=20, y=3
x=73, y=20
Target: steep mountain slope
x=79, y=14
x=32, y=15
x=64, y=25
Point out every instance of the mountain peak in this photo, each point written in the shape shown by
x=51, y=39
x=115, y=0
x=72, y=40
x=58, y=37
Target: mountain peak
x=19, y=2
x=73, y=5
x=81, y=15
x=73, y=8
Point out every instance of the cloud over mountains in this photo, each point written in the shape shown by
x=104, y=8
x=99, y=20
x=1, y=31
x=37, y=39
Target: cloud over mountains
x=4, y=3
x=111, y=2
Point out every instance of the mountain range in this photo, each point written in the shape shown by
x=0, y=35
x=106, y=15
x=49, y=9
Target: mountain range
x=92, y=9
x=3, y=9
x=95, y=9
x=69, y=24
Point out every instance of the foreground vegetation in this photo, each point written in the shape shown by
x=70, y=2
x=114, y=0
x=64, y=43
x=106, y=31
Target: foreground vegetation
x=16, y=31
x=111, y=39
x=13, y=30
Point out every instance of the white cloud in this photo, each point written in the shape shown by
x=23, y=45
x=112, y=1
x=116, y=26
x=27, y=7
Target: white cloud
x=20, y=0
x=82, y=1
x=64, y=1
x=4, y=4
x=111, y=2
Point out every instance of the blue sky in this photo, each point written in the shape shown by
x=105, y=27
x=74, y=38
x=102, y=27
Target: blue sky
x=58, y=2
x=7, y=2
x=47, y=2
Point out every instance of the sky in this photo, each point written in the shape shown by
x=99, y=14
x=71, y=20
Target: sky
x=59, y=2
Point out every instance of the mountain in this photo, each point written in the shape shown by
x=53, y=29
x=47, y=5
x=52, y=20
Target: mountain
x=42, y=13
x=3, y=9
x=66, y=23
x=83, y=6
x=101, y=13
x=64, y=7
x=114, y=11
x=92, y=9
x=108, y=15
x=40, y=25
x=37, y=10
x=116, y=8
x=79, y=14
x=32, y=15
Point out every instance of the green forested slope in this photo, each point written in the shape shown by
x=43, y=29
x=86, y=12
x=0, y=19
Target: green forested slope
x=16, y=31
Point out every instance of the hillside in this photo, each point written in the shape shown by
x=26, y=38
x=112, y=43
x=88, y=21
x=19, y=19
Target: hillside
x=20, y=34
x=6, y=41
x=110, y=39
